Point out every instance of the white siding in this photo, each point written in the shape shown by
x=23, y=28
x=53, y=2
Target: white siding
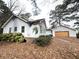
x=28, y=29
x=42, y=29
x=6, y=28
x=72, y=33
x=16, y=23
x=48, y=32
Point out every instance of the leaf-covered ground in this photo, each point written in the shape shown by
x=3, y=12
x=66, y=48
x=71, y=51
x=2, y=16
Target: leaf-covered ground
x=67, y=48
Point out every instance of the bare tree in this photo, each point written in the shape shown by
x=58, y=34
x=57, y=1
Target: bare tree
x=12, y=5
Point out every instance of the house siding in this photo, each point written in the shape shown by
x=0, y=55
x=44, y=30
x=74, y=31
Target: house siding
x=72, y=33
x=48, y=32
x=28, y=29
x=9, y=25
x=16, y=23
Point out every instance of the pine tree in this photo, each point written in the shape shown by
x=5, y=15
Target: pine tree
x=66, y=12
x=5, y=13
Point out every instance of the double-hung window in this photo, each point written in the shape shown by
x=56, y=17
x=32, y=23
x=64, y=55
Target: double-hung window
x=10, y=30
x=22, y=29
x=15, y=29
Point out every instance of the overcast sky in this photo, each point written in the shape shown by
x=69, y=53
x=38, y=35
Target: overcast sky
x=44, y=5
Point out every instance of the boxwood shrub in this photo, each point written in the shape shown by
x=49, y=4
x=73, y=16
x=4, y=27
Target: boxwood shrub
x=43, y=40
x=12, y=37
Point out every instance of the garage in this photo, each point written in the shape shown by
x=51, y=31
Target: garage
x=63, y=31
x=62, y=34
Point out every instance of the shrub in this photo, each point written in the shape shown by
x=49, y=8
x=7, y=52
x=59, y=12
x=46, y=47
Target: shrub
x=1, y=37
x=43, y=40
x=6, y=37
x=12, y=37
x=9, y=37
x=17, y=34
x=19, y=39
x=77, y=35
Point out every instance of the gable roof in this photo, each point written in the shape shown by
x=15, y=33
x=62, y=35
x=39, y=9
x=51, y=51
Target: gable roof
x=31, y=22
x=6, y=22
x=59, y=24
x=34, y=22
x=67, y=27
x=13, y=16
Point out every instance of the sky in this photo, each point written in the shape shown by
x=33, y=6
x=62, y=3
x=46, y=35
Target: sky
x=44, y=5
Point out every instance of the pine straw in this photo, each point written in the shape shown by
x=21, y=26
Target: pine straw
x=58, y=49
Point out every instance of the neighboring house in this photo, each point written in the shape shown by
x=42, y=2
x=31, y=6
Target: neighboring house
x=33, y=28
x=63, y=31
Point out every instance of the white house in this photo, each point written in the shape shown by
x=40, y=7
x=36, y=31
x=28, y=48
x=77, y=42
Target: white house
x=33, y=28
x=63, y=31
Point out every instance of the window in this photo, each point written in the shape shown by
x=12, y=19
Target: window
x=10, y=30
x=15, y=29
x=22, y=29
x=35, y=30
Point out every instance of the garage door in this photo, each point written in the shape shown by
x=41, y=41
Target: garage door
x=62, y=34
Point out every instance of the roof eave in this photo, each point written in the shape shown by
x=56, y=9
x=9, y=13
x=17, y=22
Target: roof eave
x=6, y=22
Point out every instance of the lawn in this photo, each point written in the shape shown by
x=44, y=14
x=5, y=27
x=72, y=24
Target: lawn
x=67, y=48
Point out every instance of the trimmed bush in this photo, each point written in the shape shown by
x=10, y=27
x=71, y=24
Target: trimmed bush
x=12, y=37
x=43, y=40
